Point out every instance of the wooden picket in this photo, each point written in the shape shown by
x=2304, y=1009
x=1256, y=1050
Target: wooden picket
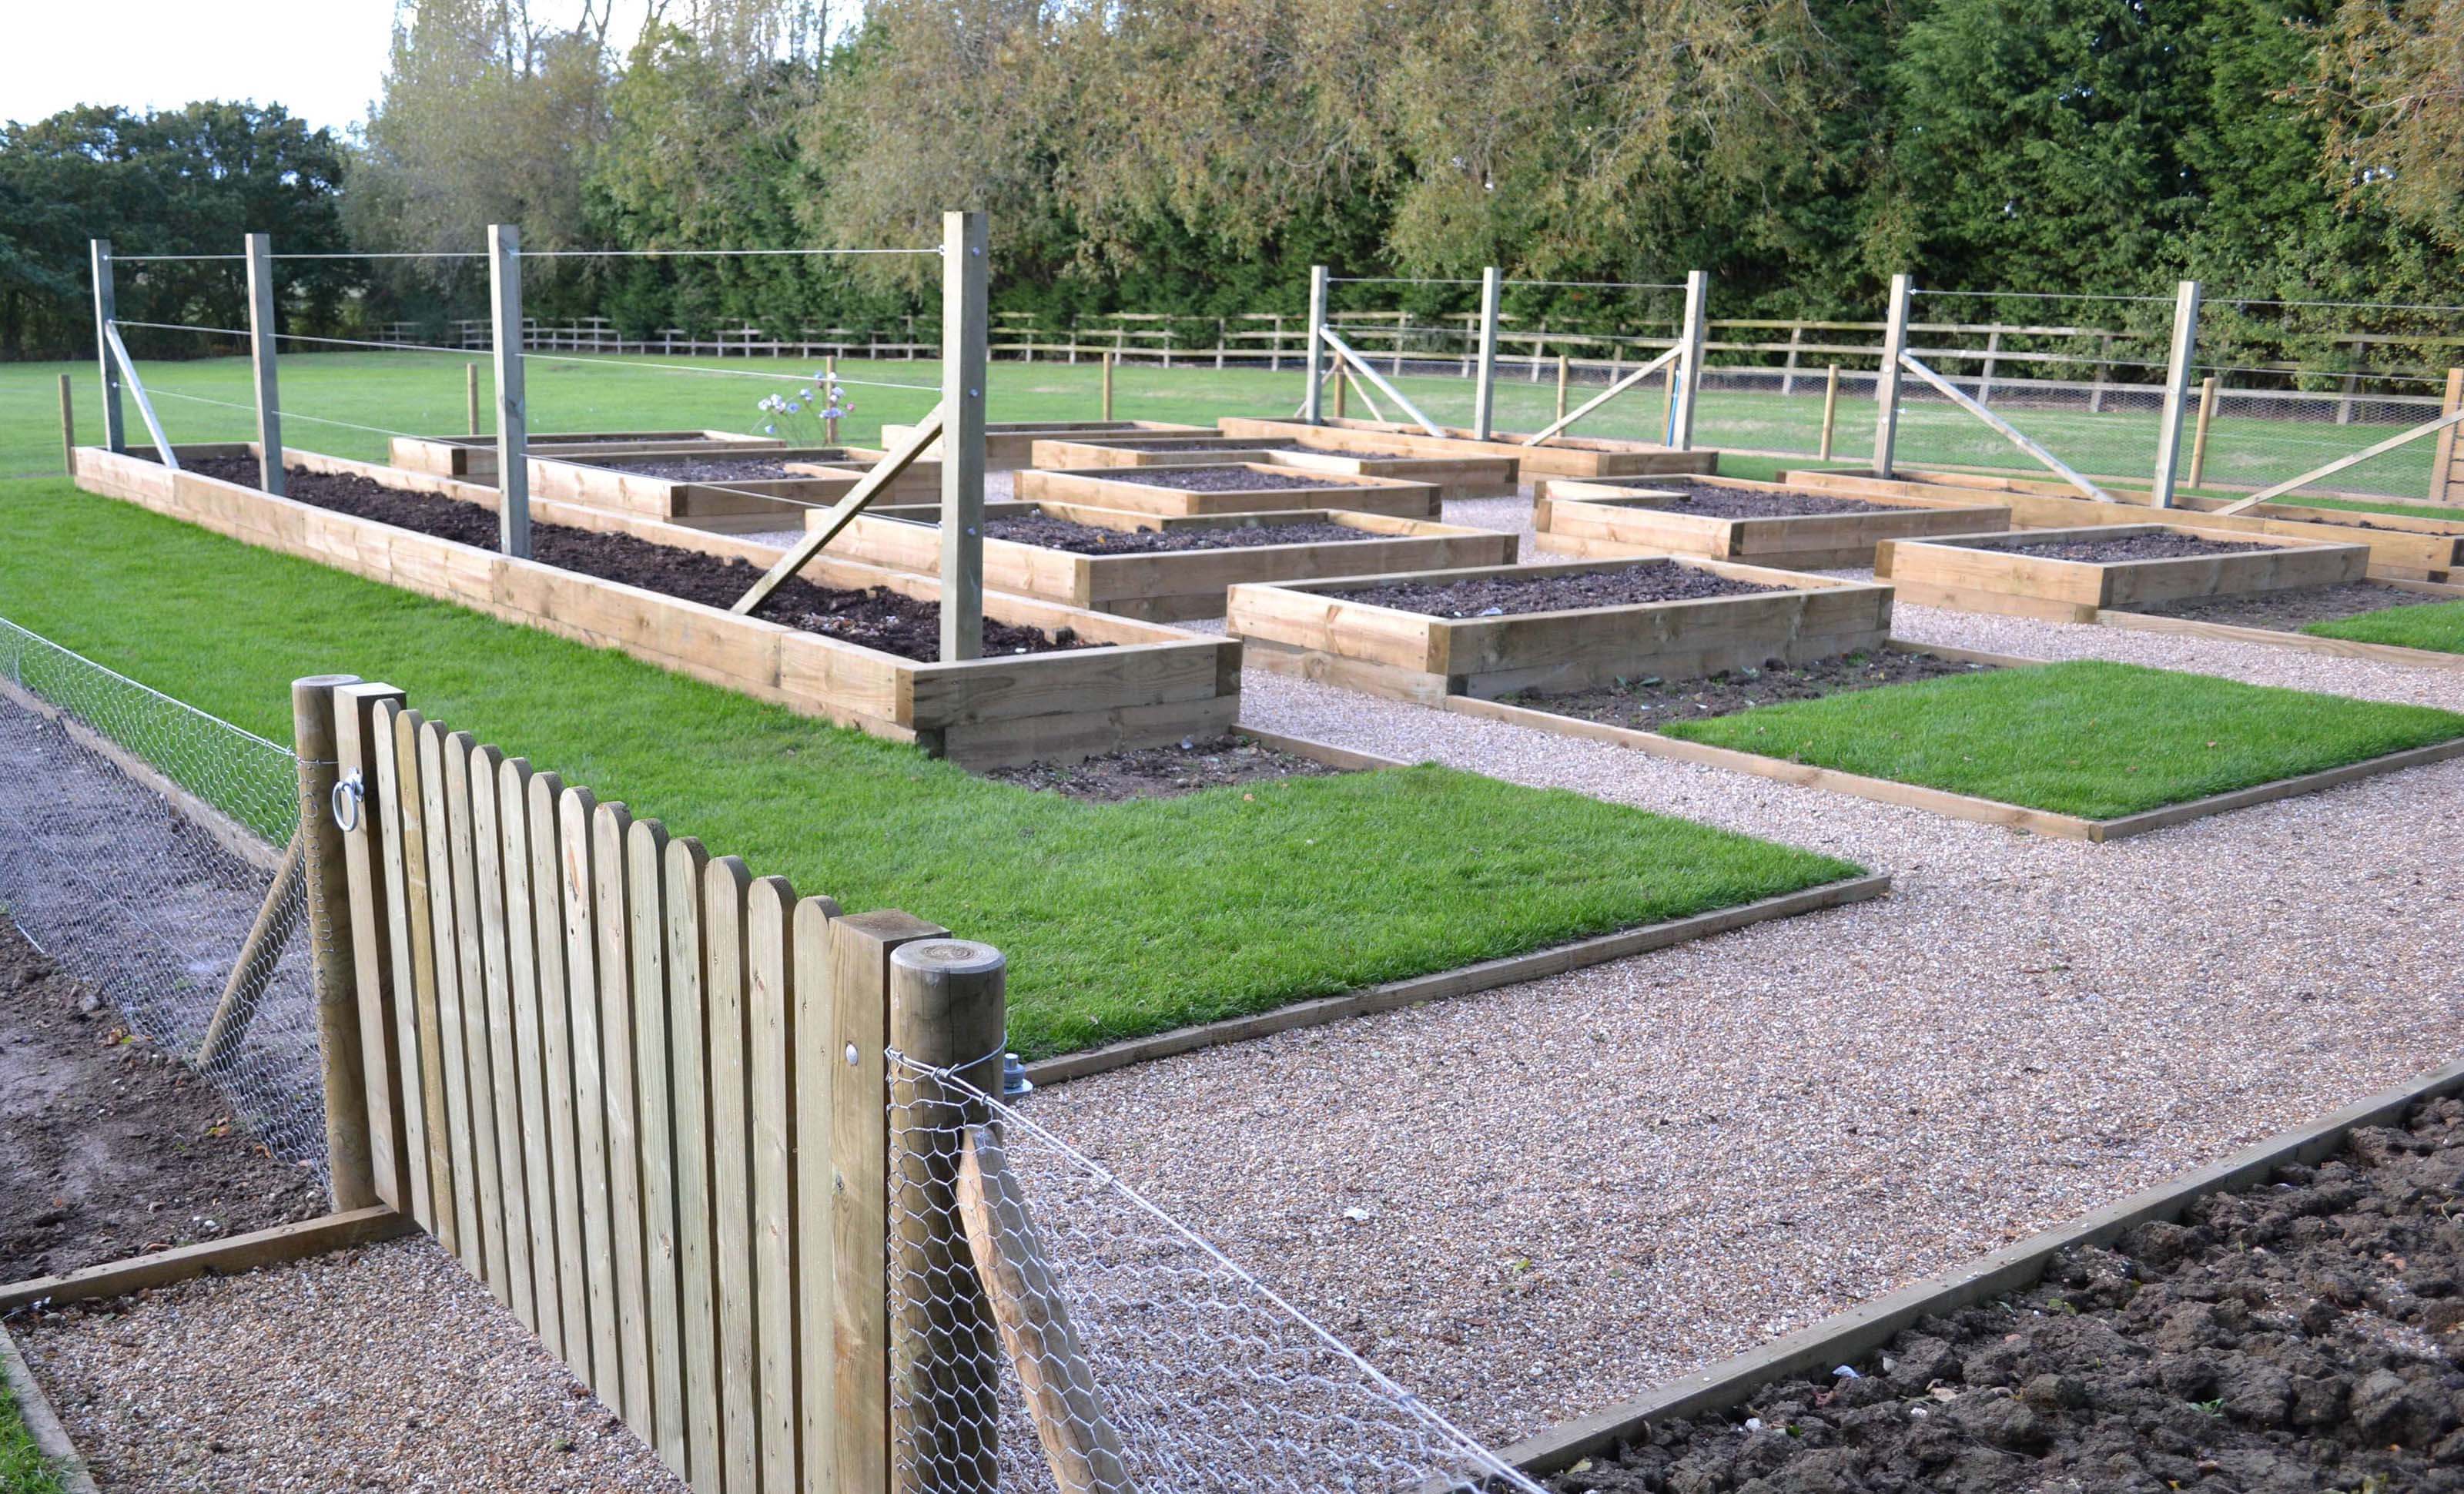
x=619, y=1090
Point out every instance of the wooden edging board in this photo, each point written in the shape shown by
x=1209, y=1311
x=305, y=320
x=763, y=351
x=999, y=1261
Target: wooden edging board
x=1486, y=976
x=1149, y=685
x=1560, y=456
x=476, y=457
x=51, y=1436
x=1456, y=476
x=743, y=505
x=1845, y=1337
x=1942, y=801
x=1011, y=444
x=2401, y=550
x=1609, y=520
x=1137, y=491
x=234, y=1253
x=1991, y=572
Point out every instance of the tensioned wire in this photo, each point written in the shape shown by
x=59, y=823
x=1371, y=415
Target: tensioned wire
x=535, y=253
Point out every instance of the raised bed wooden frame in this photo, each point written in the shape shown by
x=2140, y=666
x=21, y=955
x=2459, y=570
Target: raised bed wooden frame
x=1011, y=444
x=1312, y=631
x=1559, y=456
x=754, y=505
x=1982, y=573
x=1176, y=585
x=1156, y=686
x=1114, y=487
x=1604, y=520
x=2402, y=547
x=475, y=457
x=1456, y=476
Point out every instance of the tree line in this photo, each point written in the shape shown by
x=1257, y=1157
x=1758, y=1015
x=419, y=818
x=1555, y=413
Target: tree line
x=1195, y=156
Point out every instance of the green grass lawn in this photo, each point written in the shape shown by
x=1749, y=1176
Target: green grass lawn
x=1119, y=919
x=23, y=1469
x=328, y=396
x=2437, y=626
x=2094, y=740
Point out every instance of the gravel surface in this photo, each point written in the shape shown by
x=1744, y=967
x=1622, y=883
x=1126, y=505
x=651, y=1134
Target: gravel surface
x=387, y=1368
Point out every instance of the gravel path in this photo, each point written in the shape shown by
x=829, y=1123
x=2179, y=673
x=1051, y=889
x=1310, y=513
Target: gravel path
x=387, y=1368
x=1529, y=1203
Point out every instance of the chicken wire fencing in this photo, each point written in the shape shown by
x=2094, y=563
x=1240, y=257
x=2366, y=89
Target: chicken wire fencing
x=139, y=840
x=1053, y=1331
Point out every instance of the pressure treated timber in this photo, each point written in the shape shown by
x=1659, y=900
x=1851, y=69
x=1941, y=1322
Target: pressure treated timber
x=1151, y=686
x=2402, y=547
x=1559, y=456
x=1607, y=520
x=227, y=1256
x=1985, y=573
x=1944, y=801
x=474, y=456
x=749, y=505
x=1314, y=630
x=1011, y=445
x=1456, y=476
x=1175, y=586
x=1135, y=491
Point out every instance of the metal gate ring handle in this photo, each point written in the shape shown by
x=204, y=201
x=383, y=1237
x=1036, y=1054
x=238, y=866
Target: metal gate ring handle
x=345, y=803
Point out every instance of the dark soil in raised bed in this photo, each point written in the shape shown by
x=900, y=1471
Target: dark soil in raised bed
x=1198, y=445
x=1495, y=596
x=877, y=618
x=1718, y=502
x=2307, y=1334
x=109, y=1147
x=1650, y=703
x=1226, y=479
x=1061, y=534
x=713, y=468
x=2135, y=547
x=1166, y=772
x=2289, y=610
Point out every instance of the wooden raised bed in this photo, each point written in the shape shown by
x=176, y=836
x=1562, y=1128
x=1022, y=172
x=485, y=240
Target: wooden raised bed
x=1456, y=476
x=1154, y=687
x=1011, y=444
x=1176, y=585
x=1314, y=631
x=1595, y=519
x=1126, y=490
x=476, y=457
x=751, y=506
x=1984, y=573
x=2402, y=547
x=1560, y=456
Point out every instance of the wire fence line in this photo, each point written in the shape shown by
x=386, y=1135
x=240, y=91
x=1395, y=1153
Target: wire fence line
x=1087, y=1340
x=139, y=840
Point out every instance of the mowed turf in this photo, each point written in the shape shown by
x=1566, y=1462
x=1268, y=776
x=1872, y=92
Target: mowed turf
x=1118, y=920
x=2090, y=738
x=23, y=1469
x=2437, y=626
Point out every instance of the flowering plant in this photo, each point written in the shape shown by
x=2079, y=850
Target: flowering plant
x=806, y=410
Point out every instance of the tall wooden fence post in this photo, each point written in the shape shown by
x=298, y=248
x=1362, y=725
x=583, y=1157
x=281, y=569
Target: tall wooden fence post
x=1886, y=384
x=2177, y=393
x=948, y=1012
x=2442, y=467
x=333, y=962
x=1686, y=387
x=1313, y=401
x=114, y=431
x=513, y=420
x=1107, y=387
x=68, y=429
x=1484, y=399
x=261, y=328
x=1564, y=371
x=471, y=396
x=964, y=278
x=1830, y=408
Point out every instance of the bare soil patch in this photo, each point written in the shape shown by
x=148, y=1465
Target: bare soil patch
x=1061, y=534
x=2307, y=1334
x=1495, y=596
x=109, y=1147
x=1227, y=478
x=1716, y=502
x=2136, y=547
x=1650, y=703
x=2289, y=610
x=877, y=618
x=1167, y=771
x=1216, y=445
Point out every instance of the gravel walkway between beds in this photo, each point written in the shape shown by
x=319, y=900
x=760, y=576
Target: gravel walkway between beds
x=387, y=1368
x=1580, y=1187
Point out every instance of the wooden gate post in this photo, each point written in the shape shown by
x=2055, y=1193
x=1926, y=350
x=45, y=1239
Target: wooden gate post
x=947, y=1011
x=332, y=960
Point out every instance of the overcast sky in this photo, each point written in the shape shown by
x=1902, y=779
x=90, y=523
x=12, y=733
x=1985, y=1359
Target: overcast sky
x=319, y=58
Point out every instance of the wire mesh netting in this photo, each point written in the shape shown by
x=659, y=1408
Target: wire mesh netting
x=139, y=839
x=1052, y=1329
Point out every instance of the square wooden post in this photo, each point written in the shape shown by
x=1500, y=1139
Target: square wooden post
x=261, y=328
x=512, y=422
x=362, y=739
x=115, y=431
x=1886, y=385
x=333, y=961
x=964, y=290
x=1484, y=406
x=2177, y=393
x=1313, y=398
x=2442, y=467
x=1687, y=387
